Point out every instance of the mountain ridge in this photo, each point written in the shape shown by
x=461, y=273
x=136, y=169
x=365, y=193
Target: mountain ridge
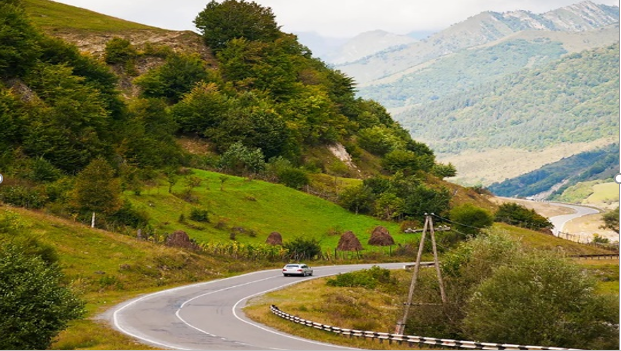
x=482, y=28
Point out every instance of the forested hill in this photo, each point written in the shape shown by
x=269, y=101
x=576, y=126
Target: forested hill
x=572, y=100
x=264, y=90
x=551, y=180
x=246, y=100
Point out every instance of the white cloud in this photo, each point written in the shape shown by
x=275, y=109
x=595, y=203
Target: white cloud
x=336, y=18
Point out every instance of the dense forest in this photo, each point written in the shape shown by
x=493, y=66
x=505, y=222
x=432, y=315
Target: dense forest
x=574, y=99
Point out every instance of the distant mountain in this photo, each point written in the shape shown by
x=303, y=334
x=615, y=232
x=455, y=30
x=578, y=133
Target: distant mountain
x=552, y=179
x=575, y=99
x=467, y=68
x=367, y=44
x=541, y=86
x=481, y=29
x=343, y=50
x=322, y=47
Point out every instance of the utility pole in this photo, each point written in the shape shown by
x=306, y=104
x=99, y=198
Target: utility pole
x=428, y=223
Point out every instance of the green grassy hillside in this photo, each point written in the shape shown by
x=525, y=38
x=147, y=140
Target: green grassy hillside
x=50, y=15
x=252, y=209
x=597, y=192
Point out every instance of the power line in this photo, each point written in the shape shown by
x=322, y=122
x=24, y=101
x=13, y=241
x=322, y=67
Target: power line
x=450, y=221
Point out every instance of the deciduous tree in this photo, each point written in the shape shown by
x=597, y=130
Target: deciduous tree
x=543, y=300
x=221, y=22
x=35, y=305
x=469, y=219
x=611, y=220
x=96, y=188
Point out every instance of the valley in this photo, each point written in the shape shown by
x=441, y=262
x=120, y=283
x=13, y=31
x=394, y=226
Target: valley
x=486, y=122
x=173, y=167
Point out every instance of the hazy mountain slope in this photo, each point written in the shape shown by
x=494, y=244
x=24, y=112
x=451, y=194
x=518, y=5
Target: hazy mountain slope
x=483, y=28
x=321, y=46
x=572, y=100
x=366, y=44
x=461, y=71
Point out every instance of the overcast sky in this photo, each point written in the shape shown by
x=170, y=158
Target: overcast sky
x=331, y=18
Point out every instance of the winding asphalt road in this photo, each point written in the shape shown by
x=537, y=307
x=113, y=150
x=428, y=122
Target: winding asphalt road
x=560, y=221
x=208, y=316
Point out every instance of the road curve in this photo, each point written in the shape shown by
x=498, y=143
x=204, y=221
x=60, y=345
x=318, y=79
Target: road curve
x=208, y=316
x=559, y=221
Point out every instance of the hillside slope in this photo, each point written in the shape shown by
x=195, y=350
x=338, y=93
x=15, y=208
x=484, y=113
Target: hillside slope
x=587, y=166
x=264, y=110
x=453, y=73
x=90, y=31
x=555, y=111
x=572, y=100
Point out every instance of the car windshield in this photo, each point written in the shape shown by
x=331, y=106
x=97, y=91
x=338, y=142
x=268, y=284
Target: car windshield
x=292, y=266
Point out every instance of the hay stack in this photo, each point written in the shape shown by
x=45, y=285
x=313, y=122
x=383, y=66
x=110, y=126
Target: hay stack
x=181, y=239
x=381, y=237
x=274, y=239
x=349, y=242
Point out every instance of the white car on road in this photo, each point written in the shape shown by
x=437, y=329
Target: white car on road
x=297, y=269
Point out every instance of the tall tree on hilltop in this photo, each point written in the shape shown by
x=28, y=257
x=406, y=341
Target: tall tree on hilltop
x=220, y=23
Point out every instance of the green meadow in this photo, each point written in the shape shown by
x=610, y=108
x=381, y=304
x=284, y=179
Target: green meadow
x=252, y=209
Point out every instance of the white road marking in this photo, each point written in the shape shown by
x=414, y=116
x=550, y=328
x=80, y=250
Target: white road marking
x=118, y=325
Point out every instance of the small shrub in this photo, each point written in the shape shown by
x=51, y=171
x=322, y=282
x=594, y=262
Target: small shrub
x=301, y=248
x=405, y=225
x=293, y=177
x=598, y=239
x=162, y=51
x=119, y=50
x=518, y=215
x=23, y=196
x=130, y=216
x=199, y=215
x=479, y=189
x=366, y=278
x=470, y=219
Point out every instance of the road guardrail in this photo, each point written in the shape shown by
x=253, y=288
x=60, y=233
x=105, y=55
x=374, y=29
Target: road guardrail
x=409, y=339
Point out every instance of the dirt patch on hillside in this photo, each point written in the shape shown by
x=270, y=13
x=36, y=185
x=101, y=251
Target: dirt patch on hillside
x=94, y=43
x=496, y=165
x=587, y=226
